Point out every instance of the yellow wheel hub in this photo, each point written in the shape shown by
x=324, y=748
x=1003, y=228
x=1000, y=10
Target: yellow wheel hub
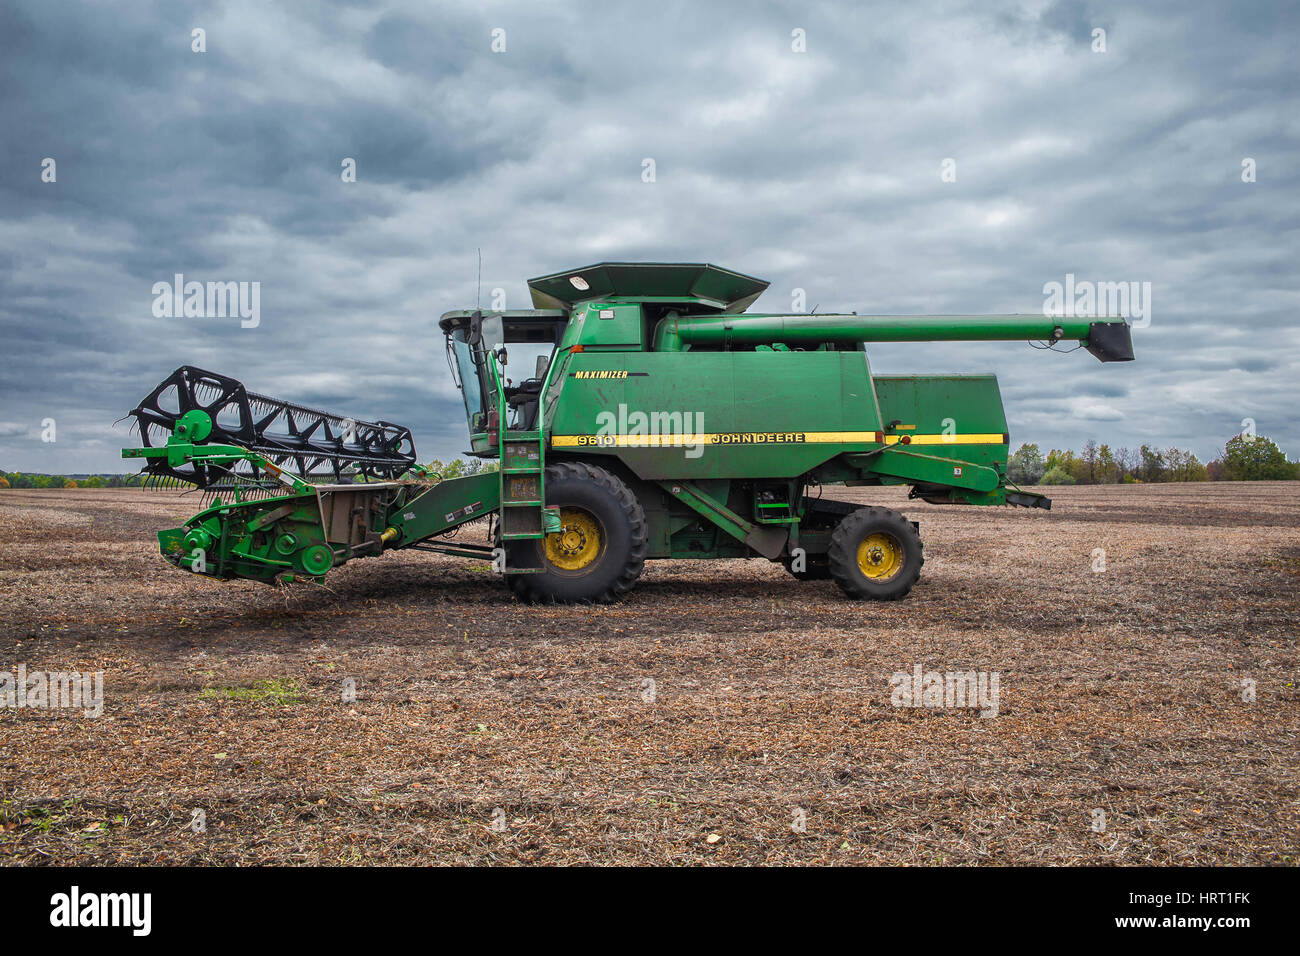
x=880, y=556
x=577, y=544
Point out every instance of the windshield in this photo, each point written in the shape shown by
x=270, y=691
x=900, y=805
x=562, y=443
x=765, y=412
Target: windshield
x=471, y=389
x=524, y=362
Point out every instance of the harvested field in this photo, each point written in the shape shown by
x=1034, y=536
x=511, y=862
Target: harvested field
x=484, y=731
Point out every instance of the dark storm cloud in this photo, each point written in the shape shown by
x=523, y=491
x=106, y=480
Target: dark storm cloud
x=817, y=170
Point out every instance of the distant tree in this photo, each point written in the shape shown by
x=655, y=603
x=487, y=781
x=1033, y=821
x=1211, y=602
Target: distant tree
x=69, y=483
x=4, y=482
x=1184, y=465
x=1153, y=464
x=1026, y=466
x=1066, y=462
x=459, y=468
x=1089, y=458
x=1057, y=476
x=94, y=481
x=1107, y=466
x=1214, y=470
x=1060, y=459
x=1127, y=460
x=1256, y=458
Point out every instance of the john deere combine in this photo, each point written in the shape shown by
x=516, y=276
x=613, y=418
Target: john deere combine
x=655, y=418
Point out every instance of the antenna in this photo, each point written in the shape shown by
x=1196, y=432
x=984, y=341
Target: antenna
x=478, y=296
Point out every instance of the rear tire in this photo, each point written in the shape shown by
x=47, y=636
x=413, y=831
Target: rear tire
x=875, y=554
x=601, y=551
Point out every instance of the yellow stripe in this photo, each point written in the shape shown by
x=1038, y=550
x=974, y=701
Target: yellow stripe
x=763, y=438
x=988, y=439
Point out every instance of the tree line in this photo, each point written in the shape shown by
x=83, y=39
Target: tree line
x=1244, y=458
x=17, y=479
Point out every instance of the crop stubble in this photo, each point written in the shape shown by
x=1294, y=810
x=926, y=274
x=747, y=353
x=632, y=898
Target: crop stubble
x=1120, y=691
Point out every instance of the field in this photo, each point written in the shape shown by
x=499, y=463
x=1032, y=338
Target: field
x=725, y=713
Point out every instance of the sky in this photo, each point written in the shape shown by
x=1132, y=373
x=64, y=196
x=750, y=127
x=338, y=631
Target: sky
x=901, y=158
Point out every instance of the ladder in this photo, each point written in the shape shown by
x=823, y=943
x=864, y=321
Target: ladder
x=522, y=454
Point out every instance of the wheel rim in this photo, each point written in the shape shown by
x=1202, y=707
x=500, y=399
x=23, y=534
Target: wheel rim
x=578, y=543
x=880, y=556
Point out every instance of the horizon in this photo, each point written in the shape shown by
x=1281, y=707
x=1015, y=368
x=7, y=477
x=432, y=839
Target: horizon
x=342, y=177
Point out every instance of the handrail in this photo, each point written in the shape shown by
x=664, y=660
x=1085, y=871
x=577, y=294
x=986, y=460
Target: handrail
x=499, y=397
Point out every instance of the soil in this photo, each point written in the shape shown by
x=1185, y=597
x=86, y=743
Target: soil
x=723, y=713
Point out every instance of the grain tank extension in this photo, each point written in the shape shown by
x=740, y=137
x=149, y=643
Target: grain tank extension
x=637, y=412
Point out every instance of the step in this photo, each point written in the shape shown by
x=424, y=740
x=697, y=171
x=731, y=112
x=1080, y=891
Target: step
x=510, y=570
x=521, y=504
x=523, y=536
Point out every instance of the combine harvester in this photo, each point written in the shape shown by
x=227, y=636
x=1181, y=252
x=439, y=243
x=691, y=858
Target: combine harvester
x=660, y=420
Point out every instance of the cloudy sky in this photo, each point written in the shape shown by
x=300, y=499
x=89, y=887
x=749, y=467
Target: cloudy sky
x=818, y=170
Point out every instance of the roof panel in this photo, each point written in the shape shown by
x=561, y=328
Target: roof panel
x=735, y=291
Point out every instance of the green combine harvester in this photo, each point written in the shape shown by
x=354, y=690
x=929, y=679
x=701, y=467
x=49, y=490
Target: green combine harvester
x=654, y=418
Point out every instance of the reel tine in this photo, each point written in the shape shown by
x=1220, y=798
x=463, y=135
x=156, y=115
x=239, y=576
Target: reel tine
x=304, y=439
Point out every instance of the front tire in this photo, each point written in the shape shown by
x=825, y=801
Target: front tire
x=875, y=554
x=598, y=554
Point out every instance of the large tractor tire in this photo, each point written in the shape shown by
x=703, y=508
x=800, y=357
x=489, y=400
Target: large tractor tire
x=875, y=554
x=600, y=550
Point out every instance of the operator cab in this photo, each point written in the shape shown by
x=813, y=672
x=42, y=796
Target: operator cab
x=525, y=343
x=627, y=301
x=523, y=398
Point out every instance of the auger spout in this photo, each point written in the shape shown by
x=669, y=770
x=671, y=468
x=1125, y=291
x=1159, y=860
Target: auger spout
x=1108, y=339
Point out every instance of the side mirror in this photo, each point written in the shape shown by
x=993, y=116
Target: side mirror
x=493, y=331
x=543, y=363
x=487, y=331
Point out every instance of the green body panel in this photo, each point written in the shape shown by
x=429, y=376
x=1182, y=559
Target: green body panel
x=943, y=411
x=727, y=414
x=448, y=504
x=612, y=325
x=925, y=468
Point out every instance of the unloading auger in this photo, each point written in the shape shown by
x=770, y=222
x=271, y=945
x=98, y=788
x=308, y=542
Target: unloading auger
x=660, y=420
